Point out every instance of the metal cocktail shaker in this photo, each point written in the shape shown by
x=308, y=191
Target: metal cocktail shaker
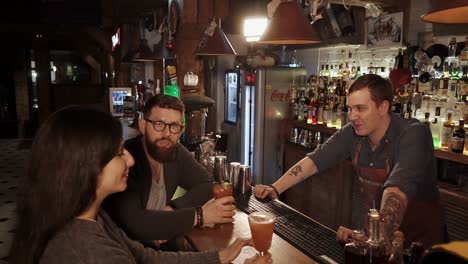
x=234, y=173
x=244, y=183
x=220, y=169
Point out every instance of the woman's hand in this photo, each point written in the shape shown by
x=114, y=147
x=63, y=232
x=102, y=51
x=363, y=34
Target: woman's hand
x=228, y=254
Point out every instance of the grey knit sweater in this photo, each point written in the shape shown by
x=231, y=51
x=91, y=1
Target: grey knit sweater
x=85, y=241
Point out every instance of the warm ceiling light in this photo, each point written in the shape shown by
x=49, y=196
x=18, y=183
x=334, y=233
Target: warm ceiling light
x=289, y=26
x=447, y=12
x=254, y=28
x=216, y=45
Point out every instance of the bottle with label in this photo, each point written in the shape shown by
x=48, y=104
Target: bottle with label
x=436, y=131
x=397, y=249
x=356, y=250
x=447, y=131
x=458, y=138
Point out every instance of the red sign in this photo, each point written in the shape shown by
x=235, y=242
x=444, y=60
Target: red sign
x=280, y=95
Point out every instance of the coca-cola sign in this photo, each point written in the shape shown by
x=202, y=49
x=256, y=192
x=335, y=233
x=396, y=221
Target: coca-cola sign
x=280, y=95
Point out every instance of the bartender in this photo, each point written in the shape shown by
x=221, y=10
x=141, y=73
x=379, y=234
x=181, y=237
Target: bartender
x=394, y=160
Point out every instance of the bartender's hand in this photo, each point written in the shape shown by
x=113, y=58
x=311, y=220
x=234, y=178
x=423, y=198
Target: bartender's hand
x=257, y=259
x=219, y=211
x=228, y=254
x=344, y=234
x=263, y=191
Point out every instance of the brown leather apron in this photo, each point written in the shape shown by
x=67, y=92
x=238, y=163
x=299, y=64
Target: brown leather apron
x=423, y=221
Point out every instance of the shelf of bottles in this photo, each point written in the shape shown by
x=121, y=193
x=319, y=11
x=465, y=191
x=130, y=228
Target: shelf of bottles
x=436, y=97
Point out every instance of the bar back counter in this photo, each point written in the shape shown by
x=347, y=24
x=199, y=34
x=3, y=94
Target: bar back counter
x=327, y=197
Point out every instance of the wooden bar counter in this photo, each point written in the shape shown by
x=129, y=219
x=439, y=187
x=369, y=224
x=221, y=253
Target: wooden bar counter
x=222, y=235
x=297, y=238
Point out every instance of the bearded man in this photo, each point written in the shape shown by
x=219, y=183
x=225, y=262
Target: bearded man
x=146, y=210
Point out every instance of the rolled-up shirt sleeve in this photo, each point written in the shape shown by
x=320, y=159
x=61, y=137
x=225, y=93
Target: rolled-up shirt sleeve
x=414, y=158
x=335, y=149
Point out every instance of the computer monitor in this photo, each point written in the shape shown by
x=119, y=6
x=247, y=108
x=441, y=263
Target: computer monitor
x=116, y=99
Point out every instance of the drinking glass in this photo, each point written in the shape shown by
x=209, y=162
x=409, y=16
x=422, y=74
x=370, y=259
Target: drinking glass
x=222, y=189
x=262, y=225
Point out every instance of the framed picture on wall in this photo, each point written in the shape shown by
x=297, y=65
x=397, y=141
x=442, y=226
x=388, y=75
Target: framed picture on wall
x=385, y=30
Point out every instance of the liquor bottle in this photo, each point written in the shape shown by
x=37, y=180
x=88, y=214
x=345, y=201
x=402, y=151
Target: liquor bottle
x=172, y=89
x=447, y=131
x=452, y=47
x=322, y=71
x=464, y=60
x=426, y=119
x=458, y=138
x=399, y=60
x=358, y=73
x=327, y=71
x=356, y=250
x=446, y=71
x=344, y=113
x=408, y=113
x=397, y=249
x=436, y=131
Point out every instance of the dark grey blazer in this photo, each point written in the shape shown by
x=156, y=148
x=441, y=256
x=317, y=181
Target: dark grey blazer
x=128, y=208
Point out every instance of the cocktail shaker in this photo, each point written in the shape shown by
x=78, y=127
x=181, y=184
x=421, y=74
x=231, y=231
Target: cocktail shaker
x=244, y=183
x=220, y=169
x=234, y=173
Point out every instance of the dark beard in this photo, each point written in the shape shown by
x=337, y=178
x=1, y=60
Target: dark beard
x=160, y=154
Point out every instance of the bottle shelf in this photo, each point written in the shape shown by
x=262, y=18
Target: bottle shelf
x=452, y=156
x=439, y=153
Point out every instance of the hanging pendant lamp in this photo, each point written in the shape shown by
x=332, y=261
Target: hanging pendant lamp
x=447, y=12
x=214, y=42
x=288, y=25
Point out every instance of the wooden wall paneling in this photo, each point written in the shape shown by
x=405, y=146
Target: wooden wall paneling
x=186, y=44
x=221, y=8
x=189, y=11
x=205, y=11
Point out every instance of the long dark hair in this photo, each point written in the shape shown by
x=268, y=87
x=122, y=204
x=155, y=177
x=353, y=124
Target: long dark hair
x=69, y=151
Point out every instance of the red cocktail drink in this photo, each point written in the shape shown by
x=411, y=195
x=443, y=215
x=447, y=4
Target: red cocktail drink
x=222, y=189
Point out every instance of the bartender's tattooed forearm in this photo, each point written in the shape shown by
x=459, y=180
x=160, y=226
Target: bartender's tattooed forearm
x=393, y=206
x=296, y=170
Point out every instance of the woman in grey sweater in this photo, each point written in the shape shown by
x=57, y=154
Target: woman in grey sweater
x=77, y=160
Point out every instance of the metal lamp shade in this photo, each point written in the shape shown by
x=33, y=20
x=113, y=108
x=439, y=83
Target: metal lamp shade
x=216, y=45
x=447, y=12
x=289, y=26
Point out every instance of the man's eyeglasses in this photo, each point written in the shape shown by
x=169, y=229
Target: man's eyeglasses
x=160, y=126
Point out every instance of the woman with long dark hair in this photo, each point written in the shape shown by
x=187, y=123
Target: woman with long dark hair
x=77, y=160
